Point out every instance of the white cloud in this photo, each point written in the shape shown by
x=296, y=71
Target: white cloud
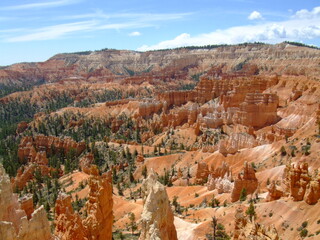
x=255, y=15
x=134, y=34
x=40, y=5
x=294, y=29
x=99, y=22
x=53, y=32
x=304, y=13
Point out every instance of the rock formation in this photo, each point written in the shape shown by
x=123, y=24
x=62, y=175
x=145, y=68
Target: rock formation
x=300, y=184
x=157, y=217
x=202, y=173
x=176, y=98
x=28, y=146
x=98, y=223
x=246, y=180
x=246, y=229
x=221, y=179
x=26, y=203
x=258, y=110
x=275, y=192
x=85, y=163
x=68, y=224
x=235, y=142
x=223, y=185
x=14, y=223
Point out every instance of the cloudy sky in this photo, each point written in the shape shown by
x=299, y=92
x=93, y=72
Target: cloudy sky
x=34, y=30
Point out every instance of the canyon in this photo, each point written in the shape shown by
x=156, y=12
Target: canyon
x=173, y=144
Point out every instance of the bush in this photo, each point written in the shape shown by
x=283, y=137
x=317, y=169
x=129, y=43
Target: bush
x=304, y=224
x=283, y=151
x=304, y=233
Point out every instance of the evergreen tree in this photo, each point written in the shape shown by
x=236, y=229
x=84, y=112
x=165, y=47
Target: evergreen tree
x=243, y=195
x=251, y=211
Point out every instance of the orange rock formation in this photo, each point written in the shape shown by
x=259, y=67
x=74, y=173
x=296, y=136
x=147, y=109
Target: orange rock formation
x=247, y=180
x=98, y=224
x=68, y=224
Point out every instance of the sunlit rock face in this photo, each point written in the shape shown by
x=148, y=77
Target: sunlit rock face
x=157, y=217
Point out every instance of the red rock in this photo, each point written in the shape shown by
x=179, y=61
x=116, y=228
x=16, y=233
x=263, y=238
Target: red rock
x=68, y=224
x=27, y=205
x=140, y=158
x=245, y=180
x=99, y=222
x=22, y=126
x=312, y=194
x=299, y=179
x=258, y=110
x=176, y=98
x=202, y=173
x=14, y=223
x=274, y=192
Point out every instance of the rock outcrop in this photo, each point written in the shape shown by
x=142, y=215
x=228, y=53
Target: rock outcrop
x=98, y=223
x=202, y=173
x=14, y=223
x=300, y=184
x=275, y=192
x=221, y=179
x=26, y=203
x=246, y=180
x=157, y=217
x=176, y=98
x=246, y=229
x=258, y=110
x=85, y=163
x=29, y=145
x=68, y=224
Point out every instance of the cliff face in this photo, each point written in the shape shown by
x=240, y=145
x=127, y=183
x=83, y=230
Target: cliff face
x=157, y=217
x=14, y=223
x=171, y=64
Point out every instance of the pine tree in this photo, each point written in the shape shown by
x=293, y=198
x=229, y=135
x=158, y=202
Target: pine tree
x=243, y=195
x=132, y=224
x=251, y=211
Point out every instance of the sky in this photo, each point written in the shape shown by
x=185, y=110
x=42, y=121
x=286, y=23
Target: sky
x=35, y=30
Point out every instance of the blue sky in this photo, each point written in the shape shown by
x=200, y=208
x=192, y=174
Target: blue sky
x=35, y=30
